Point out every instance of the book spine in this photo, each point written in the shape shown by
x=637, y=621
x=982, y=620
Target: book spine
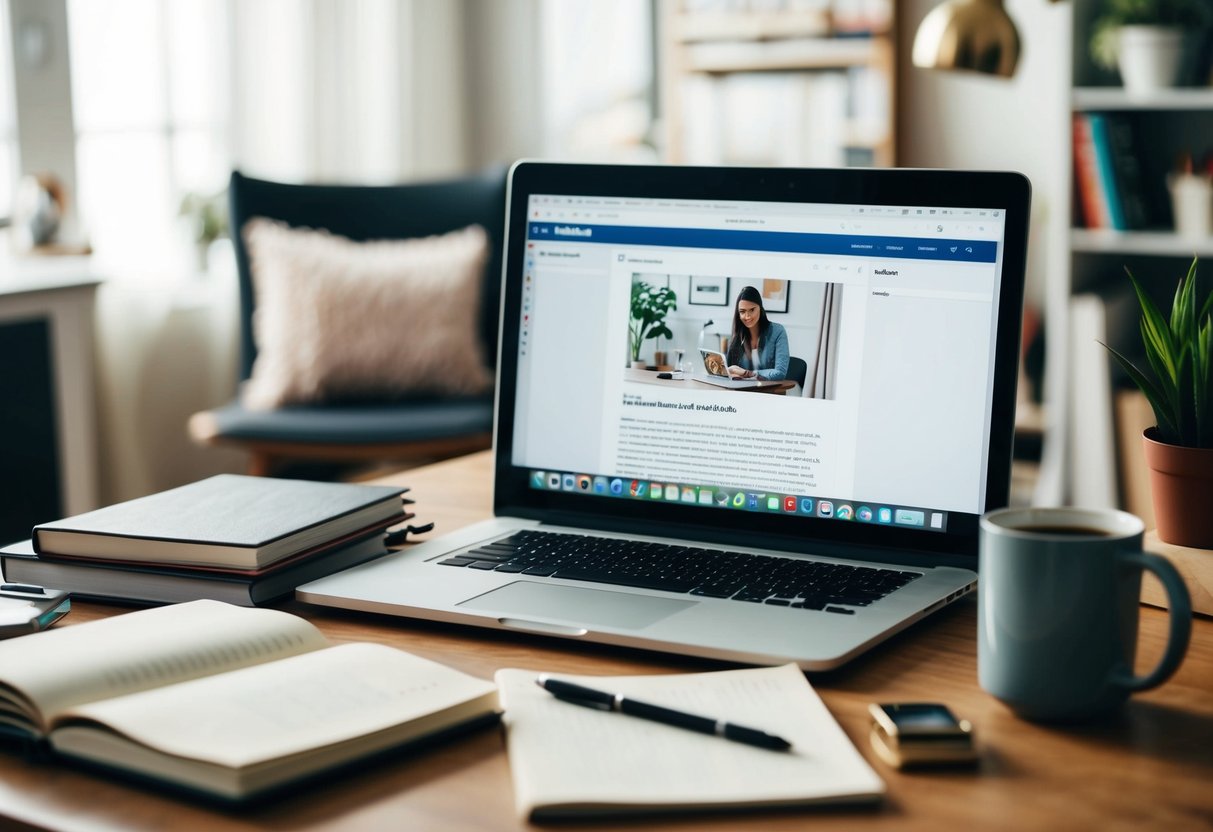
x=1127, y=170
x=1086, y=176
x=1108, y=184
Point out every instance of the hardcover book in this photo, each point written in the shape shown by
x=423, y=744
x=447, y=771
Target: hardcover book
x=225, y=521
x=154, y=584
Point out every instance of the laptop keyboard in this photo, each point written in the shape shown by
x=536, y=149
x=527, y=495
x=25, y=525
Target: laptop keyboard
x=758, y=579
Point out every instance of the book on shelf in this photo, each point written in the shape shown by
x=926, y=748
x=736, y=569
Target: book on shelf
x=572, y=761
x=1108, y=173
x=1109, y=190
x=225, y=521
x=1128, y=174
x=223, y=701
x=1092, y=189
x=148, y=583
x=794, y=119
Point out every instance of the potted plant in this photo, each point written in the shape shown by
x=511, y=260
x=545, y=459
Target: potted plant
x=206, y=218
x=1179, y=387
x=1145, y=38
x=650, y=305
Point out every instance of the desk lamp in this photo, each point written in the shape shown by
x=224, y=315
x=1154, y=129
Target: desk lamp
x=976, y=35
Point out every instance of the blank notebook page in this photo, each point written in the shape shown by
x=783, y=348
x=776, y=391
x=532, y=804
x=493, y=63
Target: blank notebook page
x=570, y=759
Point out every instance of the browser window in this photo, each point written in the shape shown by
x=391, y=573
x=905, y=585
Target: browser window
x=889, y=311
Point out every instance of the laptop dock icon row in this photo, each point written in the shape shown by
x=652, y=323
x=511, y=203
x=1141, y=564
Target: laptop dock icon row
x=735, y=498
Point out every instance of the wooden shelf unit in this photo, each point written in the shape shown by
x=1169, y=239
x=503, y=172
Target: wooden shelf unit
x=1165, y=124
x=708, y=46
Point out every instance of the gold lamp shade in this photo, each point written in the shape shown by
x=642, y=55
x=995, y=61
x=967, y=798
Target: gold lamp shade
x=976, y=35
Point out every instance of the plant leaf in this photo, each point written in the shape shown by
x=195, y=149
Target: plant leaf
x=1156, y=334
x=1183, y=310
x=1203, y=364
x=1166, y=385
x=1163, y=412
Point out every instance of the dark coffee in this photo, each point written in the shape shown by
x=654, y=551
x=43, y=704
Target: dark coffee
x=1065, y=531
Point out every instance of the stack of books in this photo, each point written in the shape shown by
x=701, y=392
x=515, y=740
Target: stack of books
x=243, y=540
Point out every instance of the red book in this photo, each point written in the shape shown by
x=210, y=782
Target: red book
x=1090, y=187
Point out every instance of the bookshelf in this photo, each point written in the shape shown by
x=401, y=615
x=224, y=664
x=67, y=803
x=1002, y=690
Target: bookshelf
x=799, y=83
x=1101, y=443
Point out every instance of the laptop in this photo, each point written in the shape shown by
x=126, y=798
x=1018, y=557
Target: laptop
x=736, y=525
x=716, y=371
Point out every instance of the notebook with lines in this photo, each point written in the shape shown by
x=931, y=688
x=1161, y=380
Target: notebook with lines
x=802, y=526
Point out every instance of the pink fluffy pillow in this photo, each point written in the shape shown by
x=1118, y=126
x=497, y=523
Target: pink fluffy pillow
x=339, y=319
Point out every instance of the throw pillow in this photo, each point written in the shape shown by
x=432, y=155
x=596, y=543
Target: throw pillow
x=338, y=319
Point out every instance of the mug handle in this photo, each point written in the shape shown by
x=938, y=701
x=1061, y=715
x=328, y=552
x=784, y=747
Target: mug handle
x=1181, y=622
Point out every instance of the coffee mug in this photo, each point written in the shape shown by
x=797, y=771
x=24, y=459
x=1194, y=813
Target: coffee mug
x=1057, y=603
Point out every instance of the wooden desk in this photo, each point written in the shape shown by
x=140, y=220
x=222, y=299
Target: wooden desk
x=1152, y=767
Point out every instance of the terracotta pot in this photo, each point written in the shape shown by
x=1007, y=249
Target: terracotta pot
x=1181, y=484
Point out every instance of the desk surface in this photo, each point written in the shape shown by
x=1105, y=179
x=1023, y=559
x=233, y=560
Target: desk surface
x=1151, y=767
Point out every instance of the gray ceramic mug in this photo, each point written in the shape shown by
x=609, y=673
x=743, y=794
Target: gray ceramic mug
x=1058, y=597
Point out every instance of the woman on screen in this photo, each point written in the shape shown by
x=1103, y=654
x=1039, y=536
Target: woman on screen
x=758, y=348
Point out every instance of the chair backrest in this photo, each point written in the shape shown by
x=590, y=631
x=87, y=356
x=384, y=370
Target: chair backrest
x=375, y=212
x=797, y=370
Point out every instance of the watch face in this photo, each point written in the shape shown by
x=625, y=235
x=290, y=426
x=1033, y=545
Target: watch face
x=922, y=718
x=918, y=734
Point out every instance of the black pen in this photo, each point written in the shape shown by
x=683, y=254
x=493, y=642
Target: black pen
x=603, y=700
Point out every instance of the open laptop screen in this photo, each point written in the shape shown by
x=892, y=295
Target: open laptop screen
x=875, y=406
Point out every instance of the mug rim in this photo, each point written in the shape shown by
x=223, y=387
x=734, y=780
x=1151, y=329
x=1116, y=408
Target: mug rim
x=1113, y=523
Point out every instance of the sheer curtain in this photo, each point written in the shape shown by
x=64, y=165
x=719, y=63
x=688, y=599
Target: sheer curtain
x=8, y=126
x=170, y=96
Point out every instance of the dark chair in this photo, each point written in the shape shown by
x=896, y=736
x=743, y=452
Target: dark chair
x=418, y=429
x=797, y=370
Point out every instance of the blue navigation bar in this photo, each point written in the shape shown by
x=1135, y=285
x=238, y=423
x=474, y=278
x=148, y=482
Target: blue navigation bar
x=908, y=248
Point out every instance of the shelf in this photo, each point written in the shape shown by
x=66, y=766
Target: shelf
x=1115, y=98
x=750, y=25
x=792, y=84
x=1159, y=243
x=792, y=54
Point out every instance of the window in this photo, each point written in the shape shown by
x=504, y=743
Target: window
x=8, y=119
x=150, y=101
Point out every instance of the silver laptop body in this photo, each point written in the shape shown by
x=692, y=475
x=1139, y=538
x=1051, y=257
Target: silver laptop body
x=907, y=314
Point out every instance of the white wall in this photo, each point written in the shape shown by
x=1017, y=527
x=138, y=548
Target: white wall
x=965, y=120
x=968, y=120
x=501, y=52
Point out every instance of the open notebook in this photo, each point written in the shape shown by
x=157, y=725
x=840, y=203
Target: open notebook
x=567, y=760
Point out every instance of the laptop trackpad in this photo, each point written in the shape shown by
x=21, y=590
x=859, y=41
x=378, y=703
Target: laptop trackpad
x=525, y=599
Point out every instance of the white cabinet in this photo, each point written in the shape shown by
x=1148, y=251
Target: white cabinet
x=48, y=450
